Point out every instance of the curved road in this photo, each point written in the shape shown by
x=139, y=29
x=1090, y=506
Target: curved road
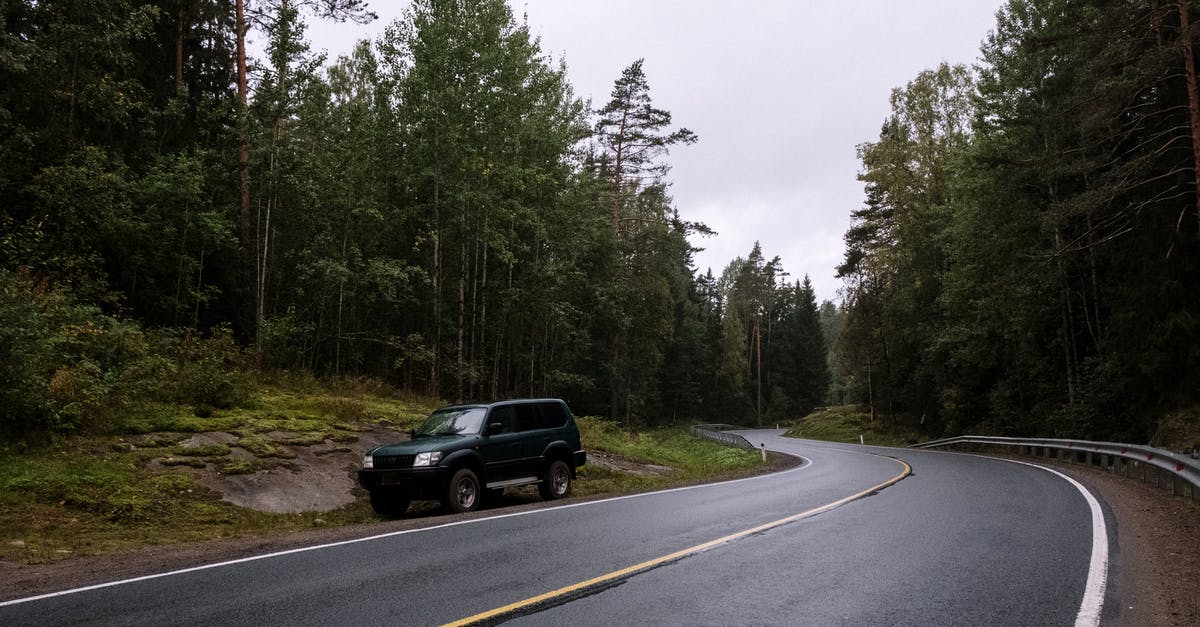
x=849, y=537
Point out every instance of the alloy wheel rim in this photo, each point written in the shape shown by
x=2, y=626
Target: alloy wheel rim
x=466, y=492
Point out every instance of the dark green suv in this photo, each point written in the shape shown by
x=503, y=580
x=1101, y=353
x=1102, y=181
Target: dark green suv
x=463, y=450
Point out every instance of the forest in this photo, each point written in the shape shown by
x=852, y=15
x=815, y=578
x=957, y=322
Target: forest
x=1026, y=259
x=438, y=210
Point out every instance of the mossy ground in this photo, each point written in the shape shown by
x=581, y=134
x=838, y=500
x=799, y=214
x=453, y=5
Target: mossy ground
x=96, y=494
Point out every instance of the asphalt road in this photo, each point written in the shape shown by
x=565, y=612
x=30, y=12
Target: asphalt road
x=962, y=540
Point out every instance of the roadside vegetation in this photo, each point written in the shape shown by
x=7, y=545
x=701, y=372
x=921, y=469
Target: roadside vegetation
x=141, y=482
x=847, y=423
x=655, y=458
x=93, y=493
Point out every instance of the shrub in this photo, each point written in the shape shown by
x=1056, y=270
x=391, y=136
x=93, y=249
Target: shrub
x=207, y=371
x=66, y=366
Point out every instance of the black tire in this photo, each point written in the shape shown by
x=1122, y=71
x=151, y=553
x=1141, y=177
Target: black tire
x=557, y=482
x=464, y=493
x=389, y=503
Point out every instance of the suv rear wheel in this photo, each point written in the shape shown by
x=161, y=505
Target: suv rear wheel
x=557, y=482
x=462, y=495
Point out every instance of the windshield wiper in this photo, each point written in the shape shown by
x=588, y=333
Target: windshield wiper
x=446, y=433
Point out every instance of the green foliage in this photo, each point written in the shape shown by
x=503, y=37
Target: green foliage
x=678, y=456
x=263, y=447
x=439, y=210
x=72, y=367
x=207, y=370
x=847, y=423
x=1026, y=276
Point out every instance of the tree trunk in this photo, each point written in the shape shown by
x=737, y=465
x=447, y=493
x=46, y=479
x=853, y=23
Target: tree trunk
x=618, y=178
x=1070, y=354
x=460, y=356
x=179, y=48
x=435, y=363
x=245, y=229
x=337, y=338
x=870, y=386
x=758, y=368
x=1189, y=71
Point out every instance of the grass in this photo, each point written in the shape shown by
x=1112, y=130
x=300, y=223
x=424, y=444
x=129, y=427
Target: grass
x=1179, y=431
x=98, y=494
x=688, y=459
x=846, y=423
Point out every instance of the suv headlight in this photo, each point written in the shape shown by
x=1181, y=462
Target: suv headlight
x=428, y=459
x=368, y=461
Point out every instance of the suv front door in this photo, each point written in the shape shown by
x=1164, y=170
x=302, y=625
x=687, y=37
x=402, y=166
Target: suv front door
x=502, y=451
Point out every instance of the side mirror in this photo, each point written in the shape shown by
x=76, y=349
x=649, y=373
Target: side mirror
x=495, y=428
x=412, y=434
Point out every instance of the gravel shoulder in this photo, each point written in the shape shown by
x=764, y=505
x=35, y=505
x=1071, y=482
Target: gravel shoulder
x=1155, y=565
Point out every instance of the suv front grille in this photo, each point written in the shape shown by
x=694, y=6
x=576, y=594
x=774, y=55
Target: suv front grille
x=394, y=461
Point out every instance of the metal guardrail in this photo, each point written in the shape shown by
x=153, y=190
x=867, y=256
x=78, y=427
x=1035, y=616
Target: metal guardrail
x=1180, y=473
x=716, y=433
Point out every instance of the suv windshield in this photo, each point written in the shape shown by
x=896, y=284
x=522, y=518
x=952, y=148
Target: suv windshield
x=457, y=421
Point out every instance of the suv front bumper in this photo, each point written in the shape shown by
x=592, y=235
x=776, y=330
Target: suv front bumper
x=416, y=482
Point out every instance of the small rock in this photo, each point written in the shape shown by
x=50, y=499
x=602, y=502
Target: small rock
x=17, y=543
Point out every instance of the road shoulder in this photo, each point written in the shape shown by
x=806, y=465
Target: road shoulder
x=1157, y=567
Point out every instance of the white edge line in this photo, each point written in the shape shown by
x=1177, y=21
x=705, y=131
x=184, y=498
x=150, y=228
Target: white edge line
x=1093, y=590
x=253, y=558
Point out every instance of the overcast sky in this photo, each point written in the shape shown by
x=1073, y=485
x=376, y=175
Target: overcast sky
x=779, y=92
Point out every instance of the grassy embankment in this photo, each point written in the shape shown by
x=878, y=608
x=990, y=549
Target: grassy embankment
x=1178, y=431
x=846, y=423
x=98, y=494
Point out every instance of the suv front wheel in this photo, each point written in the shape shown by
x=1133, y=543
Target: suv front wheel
x=463, y=493
x=557, y=482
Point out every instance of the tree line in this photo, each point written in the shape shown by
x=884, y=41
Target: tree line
x=1026, y=260
x=436, y=208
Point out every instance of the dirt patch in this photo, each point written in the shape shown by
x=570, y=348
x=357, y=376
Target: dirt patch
x=316, y=478
x=620, y=463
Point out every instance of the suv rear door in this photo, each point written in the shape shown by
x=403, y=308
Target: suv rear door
x=541, y=423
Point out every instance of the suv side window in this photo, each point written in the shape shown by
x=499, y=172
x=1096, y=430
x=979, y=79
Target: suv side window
x=528, y=417
x=505, y=415
x=553, y=415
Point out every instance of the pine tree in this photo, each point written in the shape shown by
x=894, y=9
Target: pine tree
x=633, y=137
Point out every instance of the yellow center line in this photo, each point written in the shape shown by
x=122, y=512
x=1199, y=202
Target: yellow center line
x=658, y=561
